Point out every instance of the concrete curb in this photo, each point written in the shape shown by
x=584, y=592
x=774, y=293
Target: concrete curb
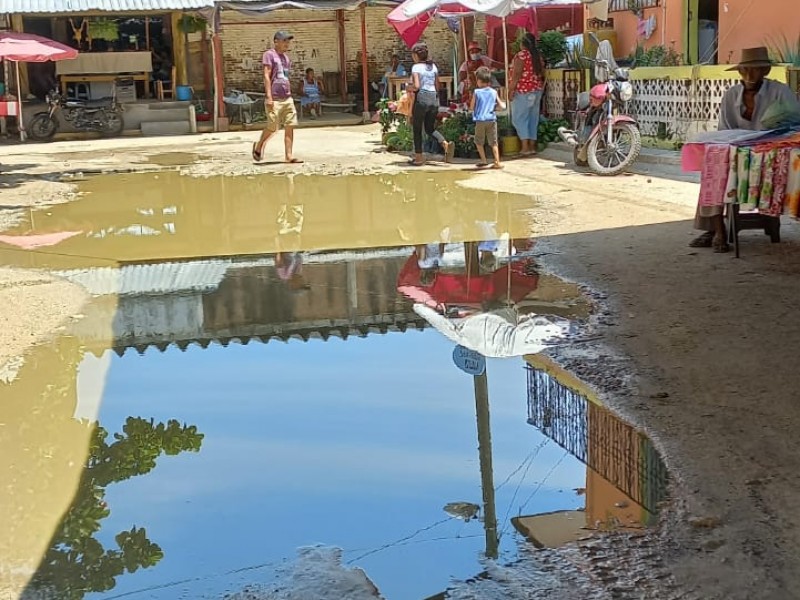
x=650, y=156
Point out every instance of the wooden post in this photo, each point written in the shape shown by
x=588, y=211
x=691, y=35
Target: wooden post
x=178, y=48
x=22, y=74
x=147, y=32
x=366, y=114
x=485, y=458
x=204, y=43
x=219, y=81
x=342, y=56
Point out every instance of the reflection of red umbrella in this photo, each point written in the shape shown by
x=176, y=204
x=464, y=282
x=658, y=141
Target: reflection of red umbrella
x=512, y=282
x=26, y=47
x=28, y=242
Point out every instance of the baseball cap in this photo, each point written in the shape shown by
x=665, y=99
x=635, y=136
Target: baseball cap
x=283, y=36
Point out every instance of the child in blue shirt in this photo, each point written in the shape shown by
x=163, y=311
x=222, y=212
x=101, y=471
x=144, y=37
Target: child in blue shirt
x=484, y=105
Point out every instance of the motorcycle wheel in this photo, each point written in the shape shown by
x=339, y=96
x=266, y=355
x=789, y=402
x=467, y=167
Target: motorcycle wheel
x=613, y=161
x=42, y=127
x=578, y=161
x=115, y=124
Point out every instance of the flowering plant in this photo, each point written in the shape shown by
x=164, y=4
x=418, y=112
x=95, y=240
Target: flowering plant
x=387, y=114
x=458, y=127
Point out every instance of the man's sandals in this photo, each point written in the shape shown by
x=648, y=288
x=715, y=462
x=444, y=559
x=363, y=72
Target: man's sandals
x=709, y=240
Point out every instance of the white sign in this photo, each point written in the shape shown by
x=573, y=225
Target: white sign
x=469, y=361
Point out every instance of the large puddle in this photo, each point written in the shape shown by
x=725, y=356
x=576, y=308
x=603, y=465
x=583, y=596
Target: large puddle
x=261, y=400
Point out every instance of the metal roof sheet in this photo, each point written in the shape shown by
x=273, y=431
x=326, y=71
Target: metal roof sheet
x=77, y=6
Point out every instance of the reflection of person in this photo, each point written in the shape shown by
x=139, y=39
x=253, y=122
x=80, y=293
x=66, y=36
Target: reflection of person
x=469, y=68
x=425, y=77
x=526, y=86
x=279, y=103
x=312, y=90
x=484, y=105
x=743, y=107
x=289, y=267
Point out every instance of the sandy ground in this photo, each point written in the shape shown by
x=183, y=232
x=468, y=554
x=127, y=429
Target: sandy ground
x=695, y=347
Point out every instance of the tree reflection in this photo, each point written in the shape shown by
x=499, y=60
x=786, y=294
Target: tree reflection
x=76, y=562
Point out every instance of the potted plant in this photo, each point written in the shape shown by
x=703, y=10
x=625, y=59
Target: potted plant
x=509, y=141
x=387, y=117
x=553, y=46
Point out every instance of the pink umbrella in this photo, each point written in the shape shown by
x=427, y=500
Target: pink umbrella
x=26, y=47
x=411, y=29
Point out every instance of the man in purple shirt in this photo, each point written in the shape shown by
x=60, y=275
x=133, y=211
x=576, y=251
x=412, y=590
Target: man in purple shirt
x=281, y=111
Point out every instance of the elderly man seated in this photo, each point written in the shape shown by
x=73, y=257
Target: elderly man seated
x=743, y=107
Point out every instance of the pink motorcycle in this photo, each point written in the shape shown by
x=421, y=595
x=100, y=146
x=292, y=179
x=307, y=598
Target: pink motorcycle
x=604, y=137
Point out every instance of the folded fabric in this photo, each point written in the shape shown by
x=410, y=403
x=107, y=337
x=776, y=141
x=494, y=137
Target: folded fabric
x=781, y=114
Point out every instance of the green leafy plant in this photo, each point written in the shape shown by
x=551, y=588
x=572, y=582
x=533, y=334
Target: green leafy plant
x=576, y=59
x=460, y=128
x=553, y=46
x=516, y=45
x=402, y=139
x=504, y=126
x=656, y=56
x=387, y=115
x=548, y=131
x=192, y=24
x=785, y=51
x=635, y=6
x=103, y=29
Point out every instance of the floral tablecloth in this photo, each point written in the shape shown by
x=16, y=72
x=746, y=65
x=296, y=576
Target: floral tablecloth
x=758, y=174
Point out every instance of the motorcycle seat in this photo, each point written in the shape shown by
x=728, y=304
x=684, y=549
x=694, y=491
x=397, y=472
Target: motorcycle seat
x=101, y=103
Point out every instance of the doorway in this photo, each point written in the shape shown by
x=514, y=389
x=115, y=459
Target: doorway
x=702, y=19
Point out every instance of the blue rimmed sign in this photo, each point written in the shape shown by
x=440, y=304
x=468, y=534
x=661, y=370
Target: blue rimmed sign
x=469, y=361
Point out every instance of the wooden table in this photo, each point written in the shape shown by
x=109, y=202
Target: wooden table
x=111, y=78
x=91, y=67
x=395, y=83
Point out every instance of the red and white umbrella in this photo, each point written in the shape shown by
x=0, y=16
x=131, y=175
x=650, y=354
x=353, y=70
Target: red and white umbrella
x=27, y=47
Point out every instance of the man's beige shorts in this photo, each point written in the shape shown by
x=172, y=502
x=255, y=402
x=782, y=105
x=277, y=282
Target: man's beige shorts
x=282, y=114
x=486, y=133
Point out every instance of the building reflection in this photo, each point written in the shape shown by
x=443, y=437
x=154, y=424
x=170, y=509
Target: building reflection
x=626, y=479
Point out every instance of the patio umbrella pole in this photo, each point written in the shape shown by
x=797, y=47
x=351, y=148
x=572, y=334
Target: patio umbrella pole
x=508, y=79
x=20, y=120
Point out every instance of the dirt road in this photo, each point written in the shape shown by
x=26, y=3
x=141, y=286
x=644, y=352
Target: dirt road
x=696, y=347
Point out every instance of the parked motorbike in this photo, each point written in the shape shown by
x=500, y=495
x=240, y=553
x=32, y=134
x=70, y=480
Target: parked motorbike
x=604, y=137
x=102, y=116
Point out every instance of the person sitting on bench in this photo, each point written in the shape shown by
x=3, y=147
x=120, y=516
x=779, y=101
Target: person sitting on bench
x=311, y=94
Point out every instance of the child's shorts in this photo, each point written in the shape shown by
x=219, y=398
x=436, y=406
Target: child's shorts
x=486, y=133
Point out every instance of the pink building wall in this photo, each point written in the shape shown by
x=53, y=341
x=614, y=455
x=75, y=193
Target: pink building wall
x=746, y=24
x=742, y=24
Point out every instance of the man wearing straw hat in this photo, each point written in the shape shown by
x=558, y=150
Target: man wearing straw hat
x=744, y=106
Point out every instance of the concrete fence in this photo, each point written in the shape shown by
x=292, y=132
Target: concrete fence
x=669, y=102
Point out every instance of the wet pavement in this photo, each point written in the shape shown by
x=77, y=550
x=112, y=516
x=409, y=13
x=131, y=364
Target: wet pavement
x=260, y=399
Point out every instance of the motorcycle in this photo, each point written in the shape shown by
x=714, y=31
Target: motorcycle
x=103, y=116
x=603, y=136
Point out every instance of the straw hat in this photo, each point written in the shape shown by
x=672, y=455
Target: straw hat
x=753, y=57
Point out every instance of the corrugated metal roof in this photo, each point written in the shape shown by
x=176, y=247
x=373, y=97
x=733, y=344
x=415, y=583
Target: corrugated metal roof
x=78, y=6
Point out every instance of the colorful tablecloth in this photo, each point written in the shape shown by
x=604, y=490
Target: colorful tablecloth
x=758, y=174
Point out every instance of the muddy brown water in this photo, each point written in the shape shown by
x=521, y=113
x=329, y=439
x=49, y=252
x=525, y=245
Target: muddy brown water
x=252, y=400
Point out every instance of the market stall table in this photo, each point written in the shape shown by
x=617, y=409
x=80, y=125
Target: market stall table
x=750, y=171
x=107, y=67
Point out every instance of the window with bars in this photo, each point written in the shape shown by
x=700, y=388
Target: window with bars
x=621, y=5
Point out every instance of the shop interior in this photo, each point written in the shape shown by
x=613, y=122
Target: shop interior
x=125, y=34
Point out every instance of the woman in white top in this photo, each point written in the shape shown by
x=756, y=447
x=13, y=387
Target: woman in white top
x=425, y=78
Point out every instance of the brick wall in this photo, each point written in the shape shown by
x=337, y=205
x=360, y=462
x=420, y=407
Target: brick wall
x=316, y=45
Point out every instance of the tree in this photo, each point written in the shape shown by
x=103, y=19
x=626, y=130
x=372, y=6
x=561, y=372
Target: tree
x=76, y=563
